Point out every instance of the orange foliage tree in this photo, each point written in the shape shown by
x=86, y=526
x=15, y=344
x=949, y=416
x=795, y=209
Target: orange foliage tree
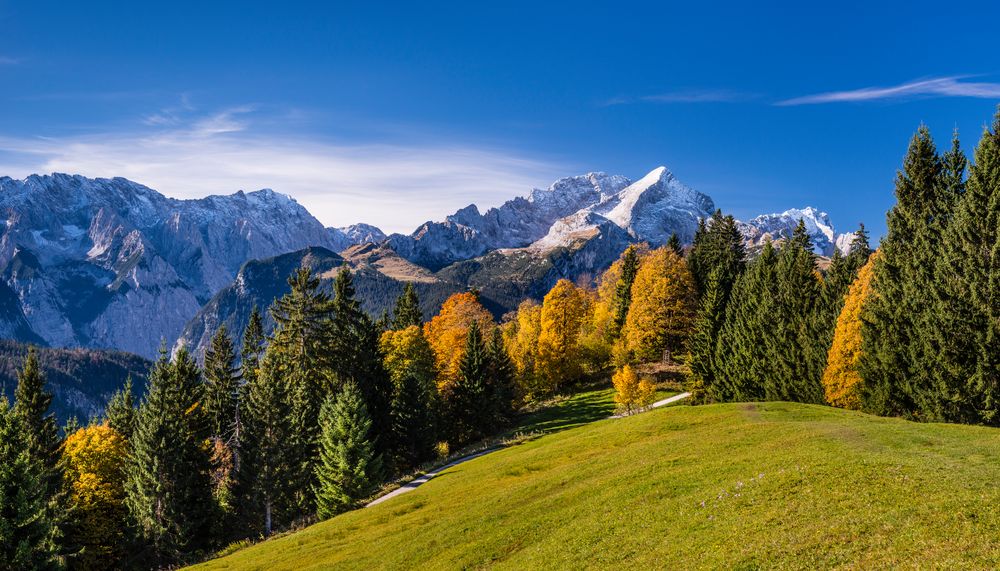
x=841, y=380
x=447, y=331
x=94, y=479
x=664, y=305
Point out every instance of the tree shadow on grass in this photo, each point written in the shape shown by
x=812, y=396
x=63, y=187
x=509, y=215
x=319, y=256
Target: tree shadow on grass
x=567, y=412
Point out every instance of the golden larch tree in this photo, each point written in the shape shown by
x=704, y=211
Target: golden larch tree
x=407, y=352
x=447, y=331
x=521, y=339
x=94, y=479
x=563, y=312
x=841, y=380
x=664, y=305
x=631, y=393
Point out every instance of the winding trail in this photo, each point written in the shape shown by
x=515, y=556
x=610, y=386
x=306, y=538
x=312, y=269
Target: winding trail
x=414, y=484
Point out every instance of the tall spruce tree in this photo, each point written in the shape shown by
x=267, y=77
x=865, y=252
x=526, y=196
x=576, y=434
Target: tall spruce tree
x=253, y=345
x=120, y=412
x=468, y=398
x=413, y=430
x=741, y=355
x=268, y=463
x=358, y=358
x=704, y=338
x=965, y=384
x=31, y=405
x=718, y=244
x=168, y=484
x=304, y=349
x=792, y=375
x=26, y=527
x=622, y=299
x=407, y=311
x=674, y=243
x=348, y=466
x=895, y=362
x=221, y=385
x=502, y=389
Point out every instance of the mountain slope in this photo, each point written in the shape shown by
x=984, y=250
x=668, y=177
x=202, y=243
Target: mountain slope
x=80, y=380
x=112, y=263
x=740, y=486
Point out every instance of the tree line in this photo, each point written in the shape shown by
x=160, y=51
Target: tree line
x=289, y=428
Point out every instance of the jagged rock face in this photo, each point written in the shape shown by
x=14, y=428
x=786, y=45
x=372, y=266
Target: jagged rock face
x=777, y=227
x=517, y=223
x=112, y=263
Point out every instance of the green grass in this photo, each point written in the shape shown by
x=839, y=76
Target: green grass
x=744, y=486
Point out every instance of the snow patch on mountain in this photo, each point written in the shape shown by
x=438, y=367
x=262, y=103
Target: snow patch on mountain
x=780, y=226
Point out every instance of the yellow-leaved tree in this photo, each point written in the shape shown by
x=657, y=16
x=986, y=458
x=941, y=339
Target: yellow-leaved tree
x=632, y=394
x=521, y=339
x=563, y=312
x=447, y=331
x=841, y=380
x=663, y=309
x=407, y=352
x=94, y=480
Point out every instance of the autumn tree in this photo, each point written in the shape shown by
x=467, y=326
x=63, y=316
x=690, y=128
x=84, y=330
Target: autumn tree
x=563, y=311
x=94, y=459
x=521, y=339
x=631, y=393
x=663, y=307
x=448, y=330
x=841, y=379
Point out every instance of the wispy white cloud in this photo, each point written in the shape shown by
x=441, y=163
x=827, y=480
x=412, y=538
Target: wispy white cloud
x=396, y=186
x=935, y=87
x=683, y=96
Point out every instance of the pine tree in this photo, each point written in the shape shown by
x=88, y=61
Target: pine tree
x=704, y=337
x=467, y=400
x=253, y=346
x=26, y=528
x=348, y=466
x=674, y=243
x=965, y=385
x=268, y=462
x=168, y=486
x=358, y=358
x=305, y=350
x=623, y=290
x=31, y=405
x=221, y=385
x=502, y=389
x=407, y=311
x=741, y=355
x=718, y=244
x=895, y=362
x=120, y=412
x=413, y=433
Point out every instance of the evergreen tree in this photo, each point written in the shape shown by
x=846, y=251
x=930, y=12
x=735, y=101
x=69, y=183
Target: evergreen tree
x=622, y=300
x=412, y=424
x=120, y=412
x=407, y=311
x=358, y=358
x=253, y=346
x=793, y=376
x=503, y=374
x=965, y=336
x=268, y=462
x=468, y=400
x=895, y=361
x=31, y=406
x=704, y=338
x=718, y=244
x=348, y=466
x=26, y=529
x=221, y=385
x=304, y=349
x=741, y=355
x=674, y=243
x=168, y=485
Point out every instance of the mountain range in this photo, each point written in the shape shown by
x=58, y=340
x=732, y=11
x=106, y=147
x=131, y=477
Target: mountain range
x=110, y=263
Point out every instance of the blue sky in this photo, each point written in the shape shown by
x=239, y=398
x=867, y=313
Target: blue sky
x=398, y=113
